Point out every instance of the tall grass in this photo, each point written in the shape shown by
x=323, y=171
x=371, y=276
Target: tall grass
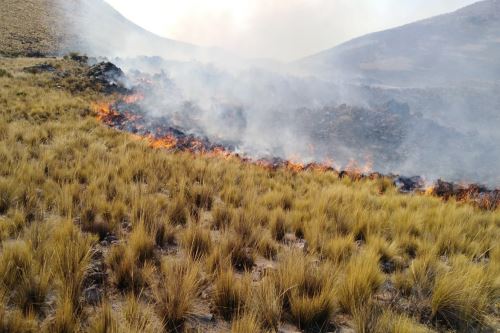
x=162, y=236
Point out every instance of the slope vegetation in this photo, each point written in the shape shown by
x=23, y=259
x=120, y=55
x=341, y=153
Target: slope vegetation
x=51, y=27
x=29, y=27
x=101, y=233
x=460, y=46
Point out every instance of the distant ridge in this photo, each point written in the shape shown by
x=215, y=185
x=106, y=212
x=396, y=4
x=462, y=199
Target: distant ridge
x=52, y=27
x=463, y=45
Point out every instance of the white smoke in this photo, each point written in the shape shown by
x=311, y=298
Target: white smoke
x=267, y=109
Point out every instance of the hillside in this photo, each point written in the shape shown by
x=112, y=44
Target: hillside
x=55, y=27
x=99, y=232
x=456, y=47
x=30, y=27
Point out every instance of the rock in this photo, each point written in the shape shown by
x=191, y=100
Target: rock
x=111, y=238
x=409, y=184
x=35, y=54
x=40, y=68
x=207, y=317
x=82, y=59
x=387, y=266
x=289, y=238
x=108, y=77
x=92, y=295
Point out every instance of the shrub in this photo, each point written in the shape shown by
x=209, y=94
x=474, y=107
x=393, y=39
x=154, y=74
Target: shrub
x=64, y=319
x=16, y=322
x=197, y=242
x=267, y=304
x=311, y=301
x=176, y=292
x=241, y=257
x=230, y=293
x=104, y=321
x=222, y=217
x=361, y=278
x=267, y=247
x=141, y=245
x=139, y=317
x=278, y=225
x=201, y=196
x=389, y=322
x=71, y=253
x=164, y=234
x=126, y=274
x=247, y=323
x=339, y=249
x=7, y=189
x=311, y=312
x=25, y=279
x=4, y=73
x=177, y=211
x=461, y=296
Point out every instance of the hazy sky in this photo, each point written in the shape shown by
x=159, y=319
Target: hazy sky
x=280, y=29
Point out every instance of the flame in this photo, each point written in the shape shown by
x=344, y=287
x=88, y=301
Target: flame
x=167, y=142
x=131, y=99
x=429, y=190
x=294, y=166
x=220, y=152
x=161, y=136
x=102, y=110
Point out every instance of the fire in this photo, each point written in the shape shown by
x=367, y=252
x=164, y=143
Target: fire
x=220, y=152
x=159, y=134
x=167, y=142
x=354, y=168
x=131, y=99
x=294, y=166
x=102, y=110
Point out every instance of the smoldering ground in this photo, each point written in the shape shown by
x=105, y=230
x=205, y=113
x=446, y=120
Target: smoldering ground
x=266, y=109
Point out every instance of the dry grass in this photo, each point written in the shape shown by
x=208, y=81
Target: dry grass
x=172, y=234
x=105, y=321
x=176, y=292
x=247, y=323
x=362, y=277
x=197, y=242
x=230, y=293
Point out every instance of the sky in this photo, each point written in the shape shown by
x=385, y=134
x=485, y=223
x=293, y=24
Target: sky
x=277, y=29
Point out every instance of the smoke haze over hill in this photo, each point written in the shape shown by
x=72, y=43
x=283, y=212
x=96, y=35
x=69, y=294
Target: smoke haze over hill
x=385, y=98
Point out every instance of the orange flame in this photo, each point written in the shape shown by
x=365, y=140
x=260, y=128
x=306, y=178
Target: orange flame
x=102, y=110
x=130, y=99
x=167, y=142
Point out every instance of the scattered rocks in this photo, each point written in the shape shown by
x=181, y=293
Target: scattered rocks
x=95, y=279
x=40, y=68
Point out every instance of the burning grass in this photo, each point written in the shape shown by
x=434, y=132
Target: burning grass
x=168, y=238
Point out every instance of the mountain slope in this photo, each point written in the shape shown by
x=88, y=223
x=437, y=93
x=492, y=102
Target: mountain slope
x=27, y=27
x=459, y=46
x=91, y=26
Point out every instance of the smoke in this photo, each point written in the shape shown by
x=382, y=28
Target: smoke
x=264, y=109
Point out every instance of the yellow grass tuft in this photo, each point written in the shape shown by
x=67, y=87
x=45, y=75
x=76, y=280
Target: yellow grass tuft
x=176, y=292
x=362, y=277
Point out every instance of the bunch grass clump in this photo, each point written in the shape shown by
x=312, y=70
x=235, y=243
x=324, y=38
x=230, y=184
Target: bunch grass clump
x=176, y=292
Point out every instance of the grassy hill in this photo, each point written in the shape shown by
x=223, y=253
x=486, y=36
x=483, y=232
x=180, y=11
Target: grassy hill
x=56, y=27
x=30, y=26
x=438, y=51
x=101, y=233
